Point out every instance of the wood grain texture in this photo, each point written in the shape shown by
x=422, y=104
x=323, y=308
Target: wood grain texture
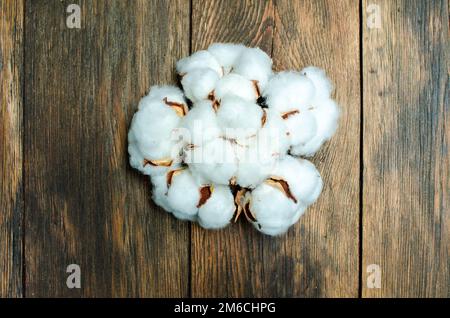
x=323, y=247
x=11, y=159
x=84, y=204
x=406, y=212
x=319, y=256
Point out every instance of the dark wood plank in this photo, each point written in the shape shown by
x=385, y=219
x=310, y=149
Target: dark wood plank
x=84, y=204
x=321, y=253
x=319, y=256
x=406, y=160
x=11, y=159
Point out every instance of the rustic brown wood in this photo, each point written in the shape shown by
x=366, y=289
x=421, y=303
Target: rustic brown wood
x=321, y=252
x=11, y=128
x=319, y=257
x=406, y=215
x=84, y=204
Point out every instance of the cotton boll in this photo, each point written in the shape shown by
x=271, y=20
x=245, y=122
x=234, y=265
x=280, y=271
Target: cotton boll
x=289, y=91
x=237, y=85
x=183, y=195
x=254, y=64
x=239, y=118
x=198, y=60
x=152, y=127
x=301, y=127
x=302, y=177
x=218, y=210
x=201, y=124
x=272, y=210
x=322, y=83
x=327, y=115
x=199, y=83
x=215, y=161
x=226, y=53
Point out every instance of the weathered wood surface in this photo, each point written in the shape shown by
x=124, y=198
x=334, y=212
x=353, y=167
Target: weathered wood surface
x=406, y=210
x=69, y=196
x=309, y=261
x=84, y=204
x=11, y=188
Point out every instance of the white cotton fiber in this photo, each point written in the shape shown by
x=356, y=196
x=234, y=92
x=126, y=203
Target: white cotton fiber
x=226, y=54
x=159, y=190
x=214, y=161
x=198, y=60
x=254, y=65
x=235, y=85
x=183, y=196
x=322, y=84
x=159, y=93
x=289, y=91
x=238, y=117
x=218, y=210
x=302, y=176
x=327, y=115
x=232, y=152
x=272, y=209
x=301, y=127
x=201, y=124
x=199, y=83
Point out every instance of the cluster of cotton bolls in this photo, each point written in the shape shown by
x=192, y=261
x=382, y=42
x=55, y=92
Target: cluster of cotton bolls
x=229, y=143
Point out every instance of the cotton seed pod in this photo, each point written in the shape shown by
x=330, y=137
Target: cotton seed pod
x=218, y=210
x=326, y=115
x=199, y=83
x=226, y=54
x=151, y=142
x=198, y=60
x=236, y=85
x=254, y=64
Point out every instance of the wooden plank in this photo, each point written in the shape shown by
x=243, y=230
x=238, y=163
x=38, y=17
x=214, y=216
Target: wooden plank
x=322, y=255
x=84, y=204
x=406, y=215
x=11, y=128
x=319, y=256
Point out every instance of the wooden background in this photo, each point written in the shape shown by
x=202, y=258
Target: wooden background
x=68, y=194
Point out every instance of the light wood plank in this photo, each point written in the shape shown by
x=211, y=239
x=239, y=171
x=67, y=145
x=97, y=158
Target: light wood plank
x=406, y=161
